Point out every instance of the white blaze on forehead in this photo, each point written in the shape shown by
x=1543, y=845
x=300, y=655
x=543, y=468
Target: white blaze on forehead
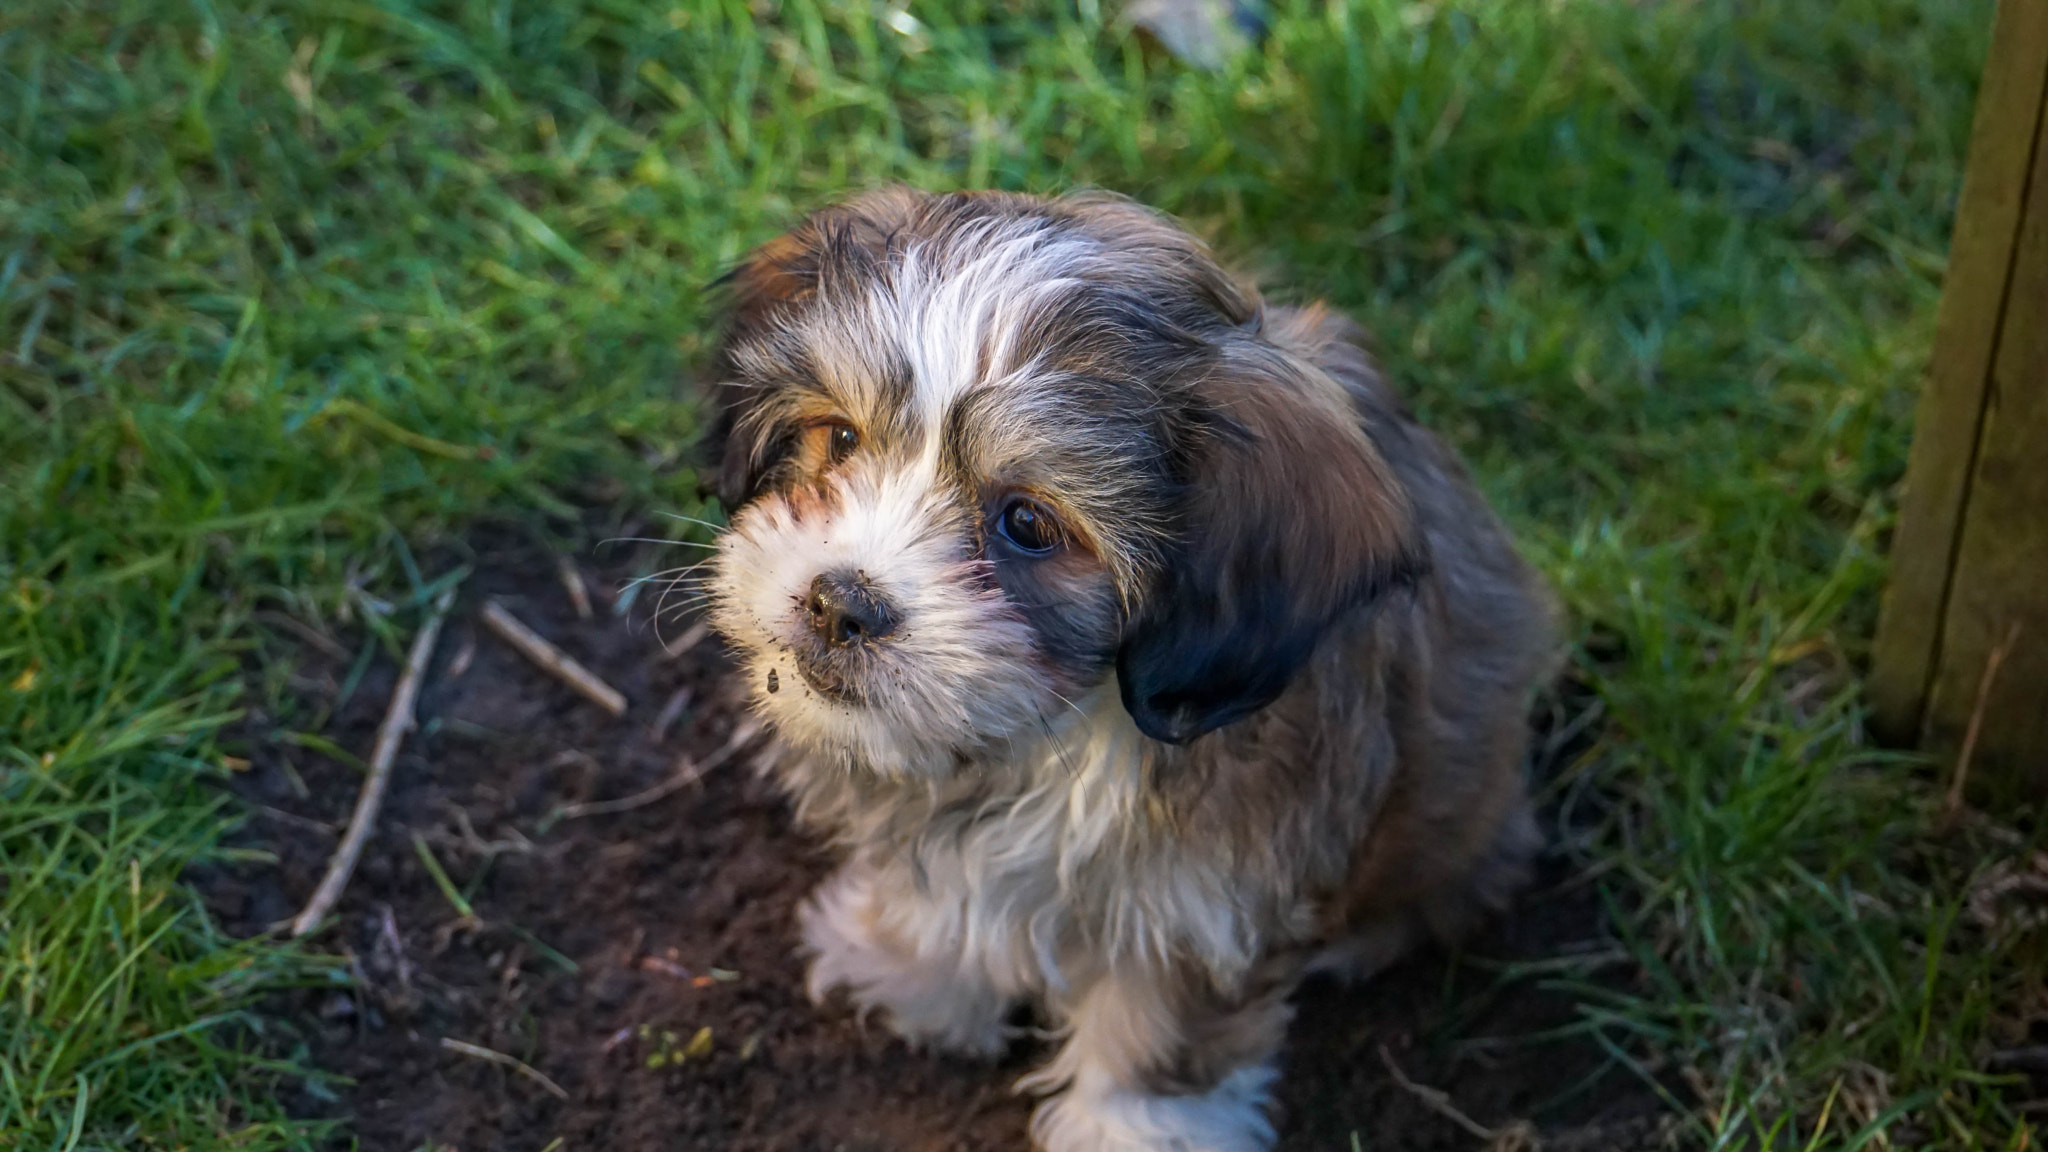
x=958, y=309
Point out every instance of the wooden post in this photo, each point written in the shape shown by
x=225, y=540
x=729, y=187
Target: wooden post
x=1969, y=581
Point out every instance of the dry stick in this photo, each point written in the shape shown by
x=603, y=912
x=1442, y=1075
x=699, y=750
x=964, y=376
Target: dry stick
x=1438, y=1100
x=687, y=772
x=572, y=583
x=687, y=640
x=397, y=719
x=552, y=660
x=1953, y=806
x=512, y=1062
x=464, y=656
x=664, y=719
x=320, y=826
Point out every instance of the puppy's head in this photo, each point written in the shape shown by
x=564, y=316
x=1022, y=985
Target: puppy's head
x=981, y=452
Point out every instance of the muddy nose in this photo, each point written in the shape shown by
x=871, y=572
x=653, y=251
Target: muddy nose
x=846, y=610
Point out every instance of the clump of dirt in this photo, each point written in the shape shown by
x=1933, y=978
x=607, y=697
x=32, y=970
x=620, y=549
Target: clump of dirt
x=639, y=965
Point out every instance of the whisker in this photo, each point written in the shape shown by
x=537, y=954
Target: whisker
x=1069, y=703
x=655, y=540
x=661, y=609
x=680, y=612
x=671, y=574
x=690, y=575
x=1057, y=747
x=693, y=520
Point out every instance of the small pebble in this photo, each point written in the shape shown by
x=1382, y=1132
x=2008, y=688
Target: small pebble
x=774, y=682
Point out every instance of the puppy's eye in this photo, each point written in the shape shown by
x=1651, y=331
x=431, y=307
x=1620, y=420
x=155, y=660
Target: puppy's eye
x=840, y=442
x=1028, y=526
x=828, y=442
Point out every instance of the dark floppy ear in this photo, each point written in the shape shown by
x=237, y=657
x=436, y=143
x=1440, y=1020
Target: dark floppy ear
x=1290, y=518
x=736, y=463
x=779, y=273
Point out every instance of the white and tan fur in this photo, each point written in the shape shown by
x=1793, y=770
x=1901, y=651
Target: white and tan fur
x=1255, y=710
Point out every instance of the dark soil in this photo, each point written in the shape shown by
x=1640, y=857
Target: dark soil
x=642, y=962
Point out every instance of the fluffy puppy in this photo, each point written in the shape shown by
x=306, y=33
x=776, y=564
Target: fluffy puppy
x=1134, y=644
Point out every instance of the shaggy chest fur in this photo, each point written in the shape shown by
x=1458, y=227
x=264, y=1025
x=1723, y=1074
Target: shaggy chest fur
x=1058, y=859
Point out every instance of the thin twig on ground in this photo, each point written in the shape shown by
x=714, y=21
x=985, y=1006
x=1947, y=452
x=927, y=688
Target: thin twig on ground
x=668, y=714
x=477, y=845
x=1953, y=805
x=465, y=655
x=569, y=756
x=551, y=659
x=668, y=968
x=572, y=583
x=320, y=826
x=688, y=640
x=398, y=718
x=1439, y=1101
x=687, y=772
x=388, y=937
x=512, y=1062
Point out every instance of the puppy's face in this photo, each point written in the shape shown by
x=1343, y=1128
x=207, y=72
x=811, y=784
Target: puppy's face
x=981, y=452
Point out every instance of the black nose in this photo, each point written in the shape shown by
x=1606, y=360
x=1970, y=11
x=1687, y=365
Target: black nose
x=845, y=609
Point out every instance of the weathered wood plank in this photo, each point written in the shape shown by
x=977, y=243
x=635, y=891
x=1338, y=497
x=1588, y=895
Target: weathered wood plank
x=2001, y=562
x=1976, y=306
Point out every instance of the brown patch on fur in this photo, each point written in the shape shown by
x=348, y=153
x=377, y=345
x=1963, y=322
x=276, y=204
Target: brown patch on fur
x=807, y=501
x=842, y=241
x=772, y=275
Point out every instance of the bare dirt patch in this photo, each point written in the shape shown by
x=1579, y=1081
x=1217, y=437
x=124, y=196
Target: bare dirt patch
x=641, y=963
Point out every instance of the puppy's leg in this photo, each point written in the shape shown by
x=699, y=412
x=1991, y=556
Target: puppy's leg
x=870, y=931
x=1161, y=1062
x=1449, y=910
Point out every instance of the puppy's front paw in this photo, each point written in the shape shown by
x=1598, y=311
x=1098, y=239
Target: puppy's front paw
x=1093, y=1116
x=930, y=1000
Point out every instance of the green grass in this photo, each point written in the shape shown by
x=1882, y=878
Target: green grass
x=292, y=291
